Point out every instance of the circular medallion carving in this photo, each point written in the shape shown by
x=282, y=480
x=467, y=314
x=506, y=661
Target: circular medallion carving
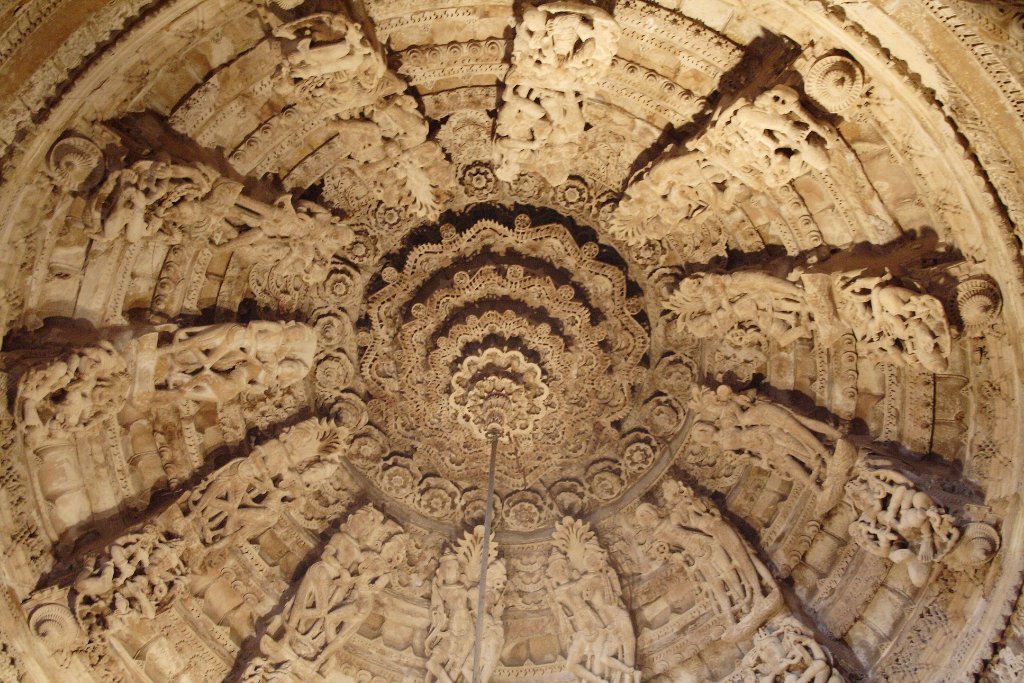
x=834, y=82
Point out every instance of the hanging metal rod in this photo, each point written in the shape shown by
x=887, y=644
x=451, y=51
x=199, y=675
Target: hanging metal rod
x=481, y=599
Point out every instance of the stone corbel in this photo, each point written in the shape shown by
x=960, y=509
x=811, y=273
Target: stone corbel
x=561, y=50
x=754, y=146
x=891, y=322
x=57, y=402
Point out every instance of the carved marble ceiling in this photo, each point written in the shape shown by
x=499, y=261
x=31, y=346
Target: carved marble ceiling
x=735, y=286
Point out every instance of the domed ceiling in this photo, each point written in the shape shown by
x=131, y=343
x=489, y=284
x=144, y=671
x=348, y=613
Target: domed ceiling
x=731, y=290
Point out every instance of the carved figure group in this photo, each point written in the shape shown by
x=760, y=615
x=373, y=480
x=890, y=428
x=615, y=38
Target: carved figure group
x=709, y=305
x=894, y=322
x=246, y=497
x=750, y=146
x=72, y=393
x=334, y=597
x=561, y=51
x=139, y=575
x=536, y=129
x=564, y=45
x=675, y=192
x=768, y=142
x=785, y=651
x=890, y=322
x=330, y=55
x=389, y=156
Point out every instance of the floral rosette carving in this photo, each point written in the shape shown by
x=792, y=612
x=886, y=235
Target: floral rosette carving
x=368, y=447
x=439, y=498
x=474, y=501
x=664, y=415
x=525, y=510
x=640, y=452
x=501, y=390
x=399, y=476
x=604, y=479
x=568, y=496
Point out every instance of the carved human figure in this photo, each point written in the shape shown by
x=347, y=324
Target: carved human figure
x=890, y=321
x=561, y=51
x=893, y=321
x=239, y=503
x=330, y=50
x=587, y=600
x=536, y=127
x=390, y=157
x=899, y=522
x=246, y=497
x=215, y=363
x=778, y=438
x=158, y=200
x=72, y=393
x=785, y=651
x=698, y=538
x=453, y=613
x=449, y=640
x=675, y=192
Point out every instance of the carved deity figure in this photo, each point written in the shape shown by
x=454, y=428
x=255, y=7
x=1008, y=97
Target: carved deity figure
x=785, y=651
x=453, y=613
x=699, y=541
x=139, y=575
x=334, y=597
x=158, y=200
x=587, y=600
x=237, y=504
x=72, y=393
x=215, y=363
x=778, y=440
x=899, y=522
x=389, y=157
x=709, y=305
x=303, y=238
x=329, y=55
x=768, y=142
x=893, y=321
